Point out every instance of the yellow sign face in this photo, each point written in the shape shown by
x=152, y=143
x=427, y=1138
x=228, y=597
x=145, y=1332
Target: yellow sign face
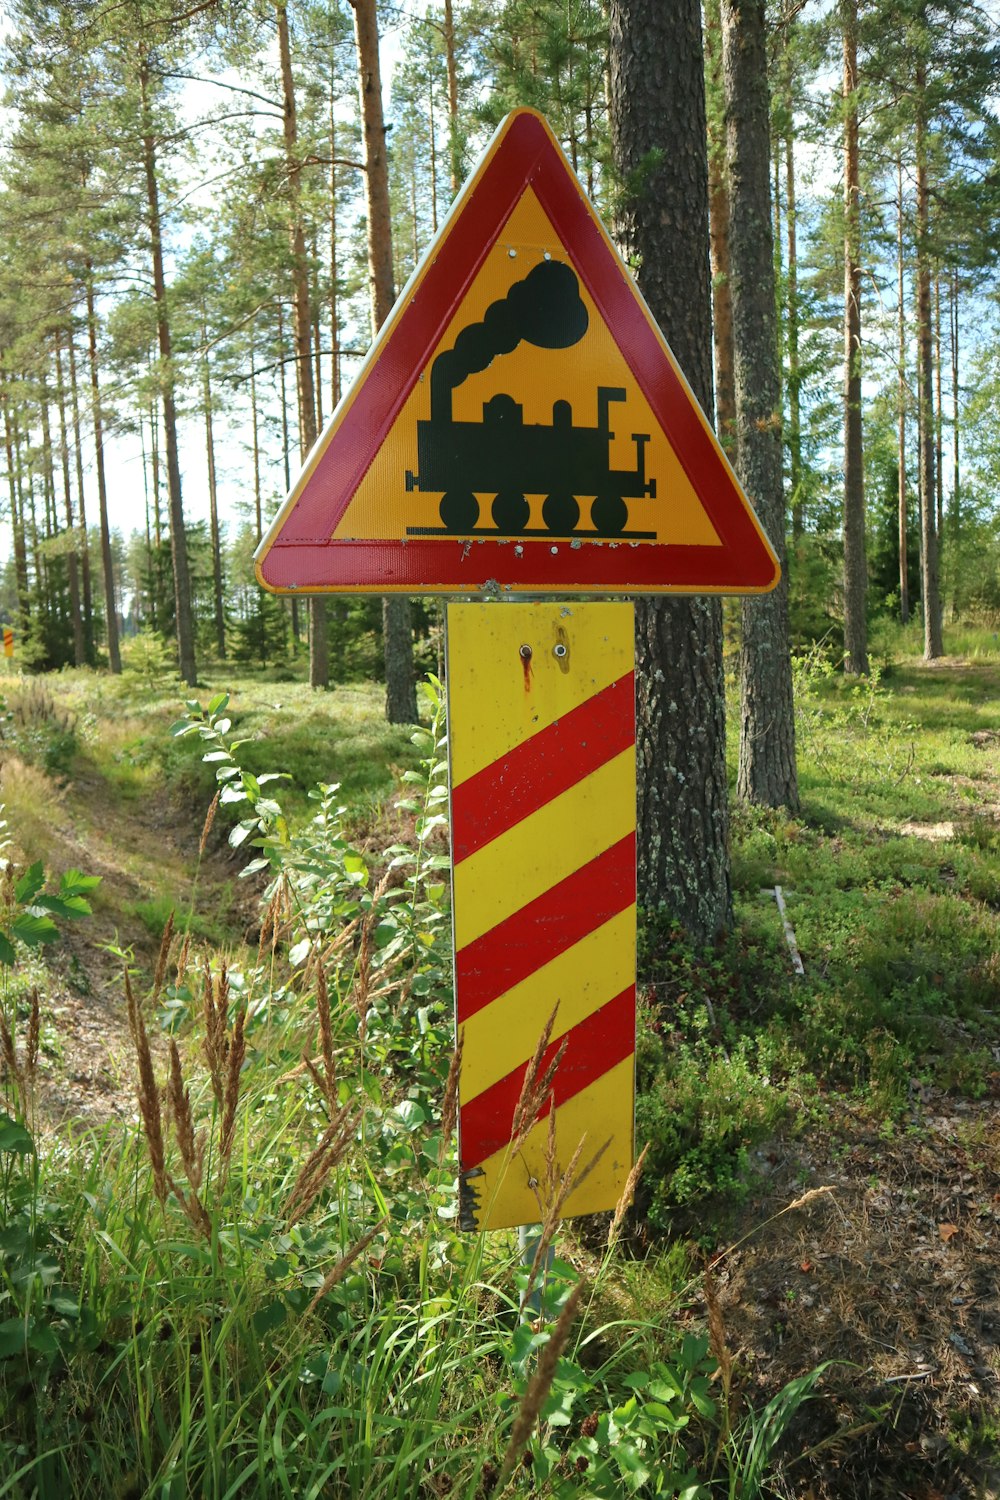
x=523, y=420
x=542, y=736
x=520, y=424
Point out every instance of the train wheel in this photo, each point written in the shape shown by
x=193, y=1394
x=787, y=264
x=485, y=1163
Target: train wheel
x=560, y=512
x=609, y=514
x=510, y=512
x=459, y=510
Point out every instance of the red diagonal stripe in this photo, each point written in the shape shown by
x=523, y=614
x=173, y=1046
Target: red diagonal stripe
x=593, y=1048
x=532, y=773
x=492, y=964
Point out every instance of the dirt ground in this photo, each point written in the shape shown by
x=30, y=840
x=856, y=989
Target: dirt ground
x=889, y=1267
x=86, y=1072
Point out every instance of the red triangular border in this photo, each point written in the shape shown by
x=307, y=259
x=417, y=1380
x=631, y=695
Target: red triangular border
x=298, y=555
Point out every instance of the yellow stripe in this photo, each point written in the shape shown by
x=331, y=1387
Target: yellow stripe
x=504, y=1033
x=502, y=705
x=602, y=1111
x=533, y=856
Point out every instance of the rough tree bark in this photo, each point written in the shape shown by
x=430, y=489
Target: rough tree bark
x=110, y=606
x=213, y=500
x=930, y=586
x=319, y=656
x=88, y=607
x=657, y=95
x=794, y=435
x=400, y=689
x=72, y=560
x=901, y=504
x=178, y=533
x=719, y=220
x=855, y=561
x=16, y=511
x=767, y=773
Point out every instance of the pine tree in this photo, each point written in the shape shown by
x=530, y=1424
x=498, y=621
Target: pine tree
x=657, y=93
x=397, y=633
x=767, y=771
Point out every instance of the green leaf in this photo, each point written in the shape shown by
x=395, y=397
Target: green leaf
x=43, y=1340
x=14, y=1137
x=693, y=1350
x=269, y=1317
x=218, y=703
x=72, y=907
x=7, y=954
x=33, y=929
x=74, y=882
x=30, y=883
x=65, y=1306
x=12, y=1337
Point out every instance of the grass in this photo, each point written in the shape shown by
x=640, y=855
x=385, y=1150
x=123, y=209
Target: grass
x=192, y=1333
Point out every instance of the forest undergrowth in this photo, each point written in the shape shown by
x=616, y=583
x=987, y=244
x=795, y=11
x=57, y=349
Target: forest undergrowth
x=231, y=1265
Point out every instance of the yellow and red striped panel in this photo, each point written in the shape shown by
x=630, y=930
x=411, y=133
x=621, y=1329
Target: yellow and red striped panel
x=541, y=716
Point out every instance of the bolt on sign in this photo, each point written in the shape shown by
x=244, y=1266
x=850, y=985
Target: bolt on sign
x=520, y=424
x=542, y=745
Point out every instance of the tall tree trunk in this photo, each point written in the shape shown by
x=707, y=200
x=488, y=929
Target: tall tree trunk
x=72, y=560
x=719, y=224
x=48, y=466
x=400, y=689
x=855, y=561
x=902, y=507
x=956, y=470
x=657, y=92
x=213, y=502
x=432, y=134
x=16, y=512
x=319, y=657
x=317, y=345
x=85, y=579
x=333, y=301
x=794, y=435
x=110, y=607
x=938, y=411
x=151, y=590
x=178, y=532
x=767, y=774
x=454, y=142
x=285, y=449
x=258, y=508
x=930, y=586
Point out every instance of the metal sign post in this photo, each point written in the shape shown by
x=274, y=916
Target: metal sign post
x=520, y=428
x=541, y=727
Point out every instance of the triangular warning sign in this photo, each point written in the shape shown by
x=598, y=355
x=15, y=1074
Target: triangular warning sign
x=519, y=424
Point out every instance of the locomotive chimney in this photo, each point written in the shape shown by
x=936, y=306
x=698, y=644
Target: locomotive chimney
x=545, y=309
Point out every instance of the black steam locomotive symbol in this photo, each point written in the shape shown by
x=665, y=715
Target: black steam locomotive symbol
x=512, y=459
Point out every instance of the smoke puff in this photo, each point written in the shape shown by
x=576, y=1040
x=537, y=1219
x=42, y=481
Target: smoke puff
x=545, y=309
